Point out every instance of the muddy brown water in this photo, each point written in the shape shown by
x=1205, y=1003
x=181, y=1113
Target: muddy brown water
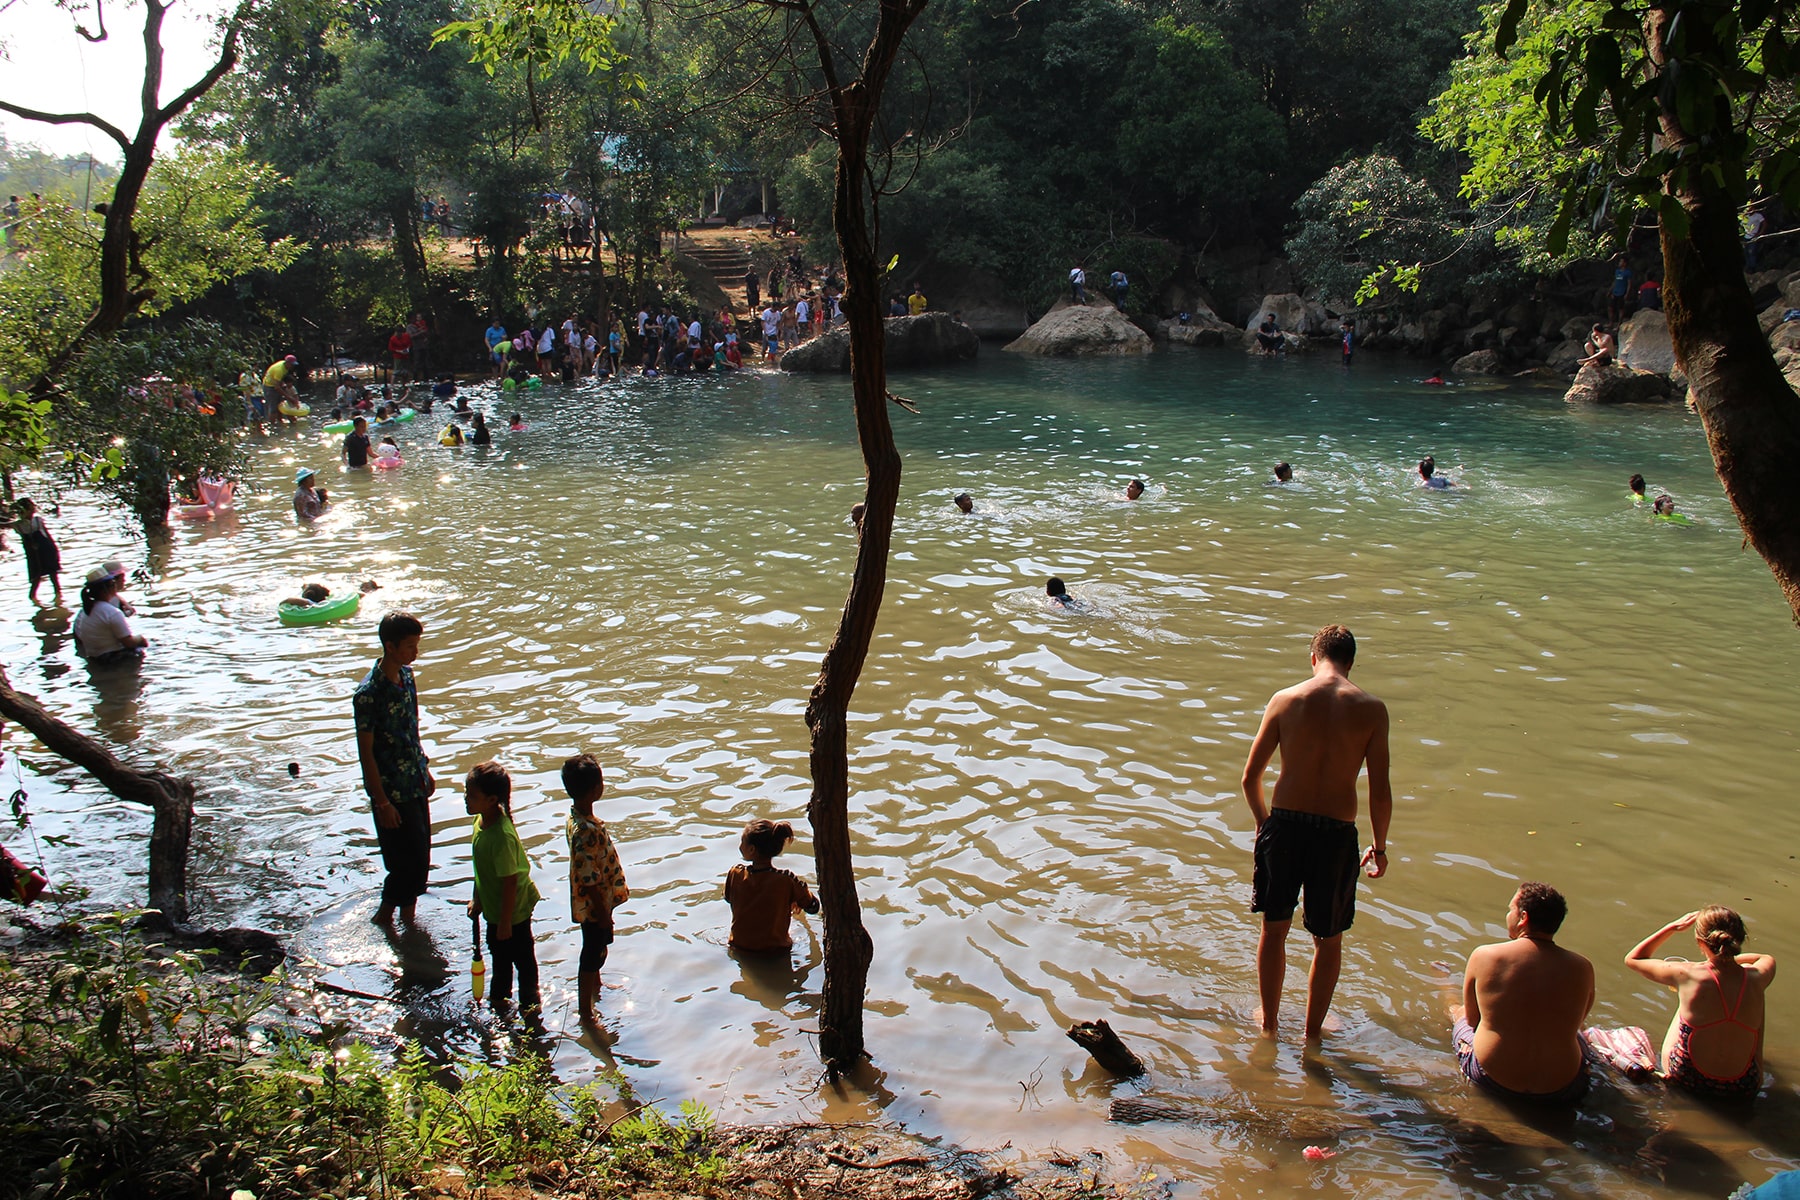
x=1047, y=816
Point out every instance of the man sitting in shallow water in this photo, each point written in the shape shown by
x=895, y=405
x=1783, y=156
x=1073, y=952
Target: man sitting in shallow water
x=1517, y=1032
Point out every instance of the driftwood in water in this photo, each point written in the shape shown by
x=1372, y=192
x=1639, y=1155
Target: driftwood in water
x=1098, y=1039
x=169, y=797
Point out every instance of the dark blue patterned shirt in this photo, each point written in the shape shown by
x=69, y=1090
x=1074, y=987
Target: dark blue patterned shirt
x=390, y=711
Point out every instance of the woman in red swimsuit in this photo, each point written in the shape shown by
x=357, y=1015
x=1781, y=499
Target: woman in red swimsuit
x=1714, y=1044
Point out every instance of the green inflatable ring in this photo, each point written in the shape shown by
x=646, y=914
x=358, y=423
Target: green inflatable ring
x=533, y=384
x=509, y=384
x=332, y=608
x=406, y=414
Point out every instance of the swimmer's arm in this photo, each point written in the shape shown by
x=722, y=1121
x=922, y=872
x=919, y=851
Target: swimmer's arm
x=1381, y=791
x=378, y=799
x=1762, y=964
x=1262, y=750
x=1642, y=957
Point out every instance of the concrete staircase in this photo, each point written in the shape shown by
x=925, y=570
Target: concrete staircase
x=725, y=261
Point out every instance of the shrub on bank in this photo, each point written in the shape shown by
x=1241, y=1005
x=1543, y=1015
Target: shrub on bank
x=126, y=1071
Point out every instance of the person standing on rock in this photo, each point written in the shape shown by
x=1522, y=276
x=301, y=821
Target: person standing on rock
x=1621, y=290
x=1326, y=728
x=752, y=289
x=916, y=303
x=1078, y=284
x=1120, y=286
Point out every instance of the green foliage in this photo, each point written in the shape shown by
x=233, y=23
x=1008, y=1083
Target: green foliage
x=141, y=1072
x=1561, y=108
x=130, y=413
x=540, y=34
x=1518, y=166
x=24, y=429
x=1365, y=228
x=197, y=226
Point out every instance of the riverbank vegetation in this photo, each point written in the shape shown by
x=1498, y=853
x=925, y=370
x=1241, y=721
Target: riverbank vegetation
x=130, y=1069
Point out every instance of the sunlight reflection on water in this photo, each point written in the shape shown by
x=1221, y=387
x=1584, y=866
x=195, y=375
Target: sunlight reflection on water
x=1048, y=820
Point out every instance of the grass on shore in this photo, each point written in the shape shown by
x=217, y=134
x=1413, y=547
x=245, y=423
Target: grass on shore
x=128, y=1070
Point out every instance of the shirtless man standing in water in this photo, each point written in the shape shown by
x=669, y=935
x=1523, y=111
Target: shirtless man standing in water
x=1326, y=729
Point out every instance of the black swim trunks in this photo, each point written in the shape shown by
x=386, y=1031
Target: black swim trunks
x=1298, y=851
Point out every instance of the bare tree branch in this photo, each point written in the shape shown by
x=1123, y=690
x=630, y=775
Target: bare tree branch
x=104, y=126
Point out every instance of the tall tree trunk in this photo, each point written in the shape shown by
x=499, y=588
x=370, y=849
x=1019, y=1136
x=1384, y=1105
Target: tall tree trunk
x=410, y=251
x=1751, y=414
x=170, y=798
x=848, y=949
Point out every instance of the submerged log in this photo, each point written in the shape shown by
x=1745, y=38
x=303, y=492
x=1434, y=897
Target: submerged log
x=1098, y=1039
x=169, y=797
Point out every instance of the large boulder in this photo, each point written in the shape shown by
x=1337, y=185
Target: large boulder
x=1293, y=313
x=700, y=283
x=1481, y=362
x=1595, y=384
x=1078, y=330
x=927, y=340
x=1203, y=328
x=1482, y=336
x=1644, y=342
x=1565, y=357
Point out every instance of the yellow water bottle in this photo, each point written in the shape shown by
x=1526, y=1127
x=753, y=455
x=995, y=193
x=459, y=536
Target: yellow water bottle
x=477, y=969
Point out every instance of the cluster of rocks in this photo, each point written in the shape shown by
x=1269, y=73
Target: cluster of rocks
x=927, y=340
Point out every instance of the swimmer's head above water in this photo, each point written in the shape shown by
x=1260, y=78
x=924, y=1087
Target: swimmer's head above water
x=1283, y=473
x=1664, y=506
x=1636, y=484
x=1057, y=590
x=964, y=502
x=1134, y=489
x=1427, y=467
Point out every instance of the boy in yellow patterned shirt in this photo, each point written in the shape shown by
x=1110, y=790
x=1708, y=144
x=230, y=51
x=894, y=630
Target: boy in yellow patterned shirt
x=596, y=880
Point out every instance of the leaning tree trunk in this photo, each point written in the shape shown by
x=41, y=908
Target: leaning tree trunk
x=1751, y=413
x=848, y=950
x=170, y=798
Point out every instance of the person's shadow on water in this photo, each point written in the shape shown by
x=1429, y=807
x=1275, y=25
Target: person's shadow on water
x=119, y=689
x=54, y=624
x=776, y=981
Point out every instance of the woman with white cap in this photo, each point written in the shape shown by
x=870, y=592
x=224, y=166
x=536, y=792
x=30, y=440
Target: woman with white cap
x=309, y=501
x=102, y=635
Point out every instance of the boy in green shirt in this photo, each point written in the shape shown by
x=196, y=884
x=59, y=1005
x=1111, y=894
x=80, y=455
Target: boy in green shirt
x=504, y=893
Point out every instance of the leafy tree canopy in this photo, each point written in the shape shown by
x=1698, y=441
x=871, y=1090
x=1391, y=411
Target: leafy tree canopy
x=197, y=226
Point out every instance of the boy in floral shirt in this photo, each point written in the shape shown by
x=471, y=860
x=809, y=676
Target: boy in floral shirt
x=596, y=880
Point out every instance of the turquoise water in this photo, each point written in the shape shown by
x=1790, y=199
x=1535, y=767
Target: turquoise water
x=1047, y=816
